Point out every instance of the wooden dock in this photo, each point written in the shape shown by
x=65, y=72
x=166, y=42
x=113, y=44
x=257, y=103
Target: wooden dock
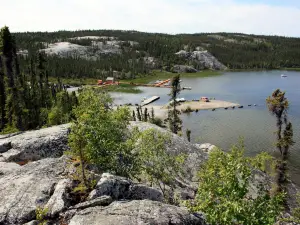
x=150, y=100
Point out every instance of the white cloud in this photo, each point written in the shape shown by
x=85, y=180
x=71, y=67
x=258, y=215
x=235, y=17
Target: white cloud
x=167, y=16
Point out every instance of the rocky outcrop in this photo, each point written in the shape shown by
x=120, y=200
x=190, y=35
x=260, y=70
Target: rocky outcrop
x=136, y=212
x=203, y=59
x=59, y=200
x=34, y=145
x=195, y=155
x=183, y=69
x=122, y=188
x=28, y=187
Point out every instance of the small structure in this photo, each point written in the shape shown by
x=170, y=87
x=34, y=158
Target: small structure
x=204, y=99
x=146, y=101
x=110, y=80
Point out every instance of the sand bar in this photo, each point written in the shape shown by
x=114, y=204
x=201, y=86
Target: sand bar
x=212, y=104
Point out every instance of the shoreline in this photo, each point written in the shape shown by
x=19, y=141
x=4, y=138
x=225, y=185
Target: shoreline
x=161, y=111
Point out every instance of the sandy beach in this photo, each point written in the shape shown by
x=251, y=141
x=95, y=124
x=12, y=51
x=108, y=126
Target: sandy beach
x=162, y=111
x=213, y=104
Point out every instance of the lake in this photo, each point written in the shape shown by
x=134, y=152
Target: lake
x=224, y=127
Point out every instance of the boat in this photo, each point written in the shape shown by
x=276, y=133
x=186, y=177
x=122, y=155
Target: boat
x=283, y=75
x=187, y=88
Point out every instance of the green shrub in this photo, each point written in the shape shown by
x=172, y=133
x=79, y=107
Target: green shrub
x=222, y=193
x=157, y=166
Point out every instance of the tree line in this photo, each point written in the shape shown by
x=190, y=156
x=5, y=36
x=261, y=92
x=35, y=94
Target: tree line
x=236, y=51
x=28, y=100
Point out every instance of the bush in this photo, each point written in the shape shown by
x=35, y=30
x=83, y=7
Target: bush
x=100, y=135
x=222, y=193
x=157, y=121
x=157, y=166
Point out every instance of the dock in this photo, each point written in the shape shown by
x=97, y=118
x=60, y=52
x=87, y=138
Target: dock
x=150, y=100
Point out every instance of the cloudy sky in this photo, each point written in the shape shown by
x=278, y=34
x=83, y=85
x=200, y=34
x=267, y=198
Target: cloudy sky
x=275, y=17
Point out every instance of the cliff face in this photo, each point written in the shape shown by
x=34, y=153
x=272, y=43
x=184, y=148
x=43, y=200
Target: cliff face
x=34, y=173
x=203, y=59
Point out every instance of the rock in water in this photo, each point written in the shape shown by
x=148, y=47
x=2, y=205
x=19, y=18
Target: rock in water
x=24, y=189
x=34, y=145
x=136, y=212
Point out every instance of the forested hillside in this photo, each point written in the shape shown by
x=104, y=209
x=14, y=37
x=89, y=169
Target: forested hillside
x=97, y=53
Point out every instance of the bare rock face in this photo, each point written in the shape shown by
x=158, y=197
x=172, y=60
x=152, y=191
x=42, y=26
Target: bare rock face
x=204, y=59
x=184, y=69
x=24, y=189
x=59, y=200
x=34, y=145
x=142, y=212
x=121, y=188
x=100, y=201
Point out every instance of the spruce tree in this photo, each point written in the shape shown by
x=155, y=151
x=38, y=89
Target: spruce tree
x=278, y=106
x=11, y=71
x=2, y=93
x=145, y=114
x=173, y=113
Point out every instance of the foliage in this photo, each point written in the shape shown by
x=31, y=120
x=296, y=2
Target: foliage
x=27, y=97
x=99, y=134
x=223, y=191
x=235, y=50
x=124, y=88
x=157, y=121
x=157, y=166
x=188, y=134
x=173, y=113
x=41, y=214
x=278, y=106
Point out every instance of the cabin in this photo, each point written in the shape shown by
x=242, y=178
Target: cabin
x=204, y=99
x=110, y=80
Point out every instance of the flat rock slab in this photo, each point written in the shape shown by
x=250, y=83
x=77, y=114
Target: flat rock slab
x=34, y=145
x=26, y=188
x=137, y=212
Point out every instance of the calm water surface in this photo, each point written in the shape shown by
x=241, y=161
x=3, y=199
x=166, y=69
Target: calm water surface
x=224, y=127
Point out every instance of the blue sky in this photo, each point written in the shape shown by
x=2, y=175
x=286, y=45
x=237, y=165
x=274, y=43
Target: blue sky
x=271, y=17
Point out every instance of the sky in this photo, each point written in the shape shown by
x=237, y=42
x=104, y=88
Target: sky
x=267, y=17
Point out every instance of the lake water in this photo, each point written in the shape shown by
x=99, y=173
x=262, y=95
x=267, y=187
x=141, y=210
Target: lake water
x=224, y=127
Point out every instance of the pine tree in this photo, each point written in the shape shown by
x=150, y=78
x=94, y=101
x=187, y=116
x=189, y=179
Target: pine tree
x=173, y=114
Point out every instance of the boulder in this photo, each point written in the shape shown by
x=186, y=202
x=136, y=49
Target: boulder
x=136, y=212
x=100, y=201
x=59, y=200
x=184, y=69
x=140, y=192
x=34, y=145
x=25, y=189
x=206, y=147
x=121, y=188
x=110, y=185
